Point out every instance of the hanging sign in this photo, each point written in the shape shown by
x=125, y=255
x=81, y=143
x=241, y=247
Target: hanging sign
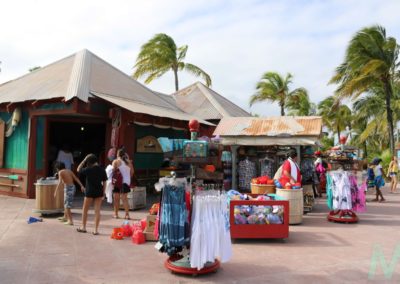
x=148, y=144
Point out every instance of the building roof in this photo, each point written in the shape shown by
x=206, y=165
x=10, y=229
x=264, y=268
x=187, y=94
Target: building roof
x=281, y=130
x=78, y=76
x=201, y=101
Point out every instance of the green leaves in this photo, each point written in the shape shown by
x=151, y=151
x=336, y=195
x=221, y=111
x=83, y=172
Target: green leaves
x=275, y=88
x=160, y=55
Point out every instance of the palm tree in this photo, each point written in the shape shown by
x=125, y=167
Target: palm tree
x=274, y=88
x=301, y=105
x=160, y=55
x=335, y=116
x=371, y=59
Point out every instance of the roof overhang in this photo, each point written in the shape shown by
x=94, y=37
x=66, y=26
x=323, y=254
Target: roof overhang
x=138, y=107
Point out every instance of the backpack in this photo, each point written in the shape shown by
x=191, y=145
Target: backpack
x=370, y=174
x=116, y=179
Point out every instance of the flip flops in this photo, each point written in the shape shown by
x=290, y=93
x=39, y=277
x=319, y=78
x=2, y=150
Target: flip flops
x=95, y=233
x=68, y=223
x=79, y=230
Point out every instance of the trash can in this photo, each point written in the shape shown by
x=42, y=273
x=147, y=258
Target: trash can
x=45, y=201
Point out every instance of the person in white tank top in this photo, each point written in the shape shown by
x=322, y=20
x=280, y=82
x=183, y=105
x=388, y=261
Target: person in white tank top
x=125, y=166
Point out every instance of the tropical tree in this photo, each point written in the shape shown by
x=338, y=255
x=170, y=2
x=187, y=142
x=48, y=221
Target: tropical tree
x=371, y=59
x=275, y=88
x=335, y=115
x=301, y=105
x=160, y=55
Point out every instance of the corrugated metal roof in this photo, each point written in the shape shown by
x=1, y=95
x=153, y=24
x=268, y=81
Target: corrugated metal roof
x=77, y=76
x=282, y=126
x=135, y=106
x=201, y=101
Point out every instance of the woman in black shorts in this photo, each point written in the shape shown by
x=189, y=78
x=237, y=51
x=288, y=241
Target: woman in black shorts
x=95, y=178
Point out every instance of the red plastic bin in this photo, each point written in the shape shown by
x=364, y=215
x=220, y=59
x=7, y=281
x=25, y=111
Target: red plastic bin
x=257, y=231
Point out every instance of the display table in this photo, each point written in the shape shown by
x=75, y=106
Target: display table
x=264, y=231
x=45, y=201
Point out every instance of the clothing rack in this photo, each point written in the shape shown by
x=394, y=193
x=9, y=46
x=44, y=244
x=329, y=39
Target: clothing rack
x=345, y=214
x=182, y=264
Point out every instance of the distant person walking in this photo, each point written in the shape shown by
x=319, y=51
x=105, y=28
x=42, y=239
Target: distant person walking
x=392, y=172
x=65, y=156
x=95, y=185
x=379, y=180
x=122, y=165
x=66, y=179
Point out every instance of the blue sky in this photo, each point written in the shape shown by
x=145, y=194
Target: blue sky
x=234, y=41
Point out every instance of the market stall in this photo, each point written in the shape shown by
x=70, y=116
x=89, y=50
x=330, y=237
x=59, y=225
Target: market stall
x=260, y=145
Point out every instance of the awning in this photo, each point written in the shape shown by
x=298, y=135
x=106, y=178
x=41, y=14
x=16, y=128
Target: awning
x=138, y=107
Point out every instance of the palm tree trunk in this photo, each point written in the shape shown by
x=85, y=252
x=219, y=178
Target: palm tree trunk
x=176, y=79
x=388, y=92
x=338, y=133
x=282, y=105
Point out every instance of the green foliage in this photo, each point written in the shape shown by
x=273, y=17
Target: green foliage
x=371, y=65
x=327, y=143
x=275, y=88
x=160, y=55
x=386, y=157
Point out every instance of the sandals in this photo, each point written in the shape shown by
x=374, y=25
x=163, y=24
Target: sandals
x=116, y=217
x=95, y=233
x=127, y=217
x=79, y=230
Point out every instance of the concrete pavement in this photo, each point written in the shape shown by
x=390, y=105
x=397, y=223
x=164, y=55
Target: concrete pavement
x=316, y=251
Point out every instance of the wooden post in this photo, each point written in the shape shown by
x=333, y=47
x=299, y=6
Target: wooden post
x=234, y=166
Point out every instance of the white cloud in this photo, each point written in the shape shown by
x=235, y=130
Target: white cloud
x=234, y=41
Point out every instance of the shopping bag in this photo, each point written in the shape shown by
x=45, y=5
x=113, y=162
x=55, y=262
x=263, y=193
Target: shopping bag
x=117, y=234
x=127, y=230
x=137, y=226
x=138, y=237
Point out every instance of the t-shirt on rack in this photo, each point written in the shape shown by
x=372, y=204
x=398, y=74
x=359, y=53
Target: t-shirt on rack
x=343, y=193
x=208, y=235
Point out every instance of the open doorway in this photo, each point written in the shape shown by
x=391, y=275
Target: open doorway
x=82, y=138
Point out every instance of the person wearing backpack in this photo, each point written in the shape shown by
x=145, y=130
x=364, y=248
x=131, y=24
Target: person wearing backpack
x=379, y=180
x=370, y=176
x=121, y=179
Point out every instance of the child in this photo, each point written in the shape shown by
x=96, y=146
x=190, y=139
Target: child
x=66, y=177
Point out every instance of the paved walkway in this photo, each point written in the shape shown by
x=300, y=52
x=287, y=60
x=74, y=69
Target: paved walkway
x=317, y=251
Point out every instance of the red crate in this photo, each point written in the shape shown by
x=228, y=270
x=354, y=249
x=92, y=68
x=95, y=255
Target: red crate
x=257, y=231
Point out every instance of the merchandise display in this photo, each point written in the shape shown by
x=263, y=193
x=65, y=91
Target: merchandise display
x=247, y=171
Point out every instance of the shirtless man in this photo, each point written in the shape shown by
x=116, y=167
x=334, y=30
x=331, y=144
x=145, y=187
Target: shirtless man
x=66, y=177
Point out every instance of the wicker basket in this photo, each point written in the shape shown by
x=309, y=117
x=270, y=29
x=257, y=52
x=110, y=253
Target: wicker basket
x=262, y=188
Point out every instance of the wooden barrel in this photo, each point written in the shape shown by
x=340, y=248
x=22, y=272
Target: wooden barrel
x=45, y=201
x=295, y=197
